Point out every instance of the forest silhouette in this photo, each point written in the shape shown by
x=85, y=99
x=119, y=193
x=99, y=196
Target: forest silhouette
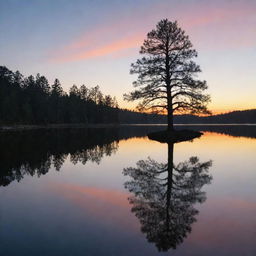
x=31, y=100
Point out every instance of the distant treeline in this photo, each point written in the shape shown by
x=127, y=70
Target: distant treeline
x=32, y=100
x=133, y=117
x=234, y=117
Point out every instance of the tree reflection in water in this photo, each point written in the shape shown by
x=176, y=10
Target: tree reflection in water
x=164, y=196
x=35, y=152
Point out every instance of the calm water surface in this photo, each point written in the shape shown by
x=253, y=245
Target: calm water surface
x=115, y=192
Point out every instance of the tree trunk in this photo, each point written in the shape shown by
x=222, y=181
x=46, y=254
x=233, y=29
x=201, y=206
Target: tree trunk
x=169, y=109
x=169, y=184
x=169, y=94
x=170, y=120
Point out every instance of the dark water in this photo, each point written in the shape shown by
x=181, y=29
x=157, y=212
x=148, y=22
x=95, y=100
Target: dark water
x=115, y=192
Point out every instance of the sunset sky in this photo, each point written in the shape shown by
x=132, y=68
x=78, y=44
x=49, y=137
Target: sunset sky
x=94, y=42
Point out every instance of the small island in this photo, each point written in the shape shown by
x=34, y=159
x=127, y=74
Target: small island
x=174, y=136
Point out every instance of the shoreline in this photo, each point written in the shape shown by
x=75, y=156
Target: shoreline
x=4, y=128
x=53, y=126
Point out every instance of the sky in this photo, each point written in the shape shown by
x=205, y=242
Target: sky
x=94, y=42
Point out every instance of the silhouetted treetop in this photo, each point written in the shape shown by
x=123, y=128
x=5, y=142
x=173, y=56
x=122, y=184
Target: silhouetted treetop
x=167, y=74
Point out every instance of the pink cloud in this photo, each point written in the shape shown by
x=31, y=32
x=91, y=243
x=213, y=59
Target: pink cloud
x=96, y=202
x=115, y=46
x=227, y=14
x=109, y=196
x=218, y=26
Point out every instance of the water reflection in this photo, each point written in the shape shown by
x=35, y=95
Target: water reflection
x=248, y=131
x=164, y=196
x=34, y=152
x=67, y=213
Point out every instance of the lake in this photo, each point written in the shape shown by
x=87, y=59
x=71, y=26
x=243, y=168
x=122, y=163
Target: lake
x=112, y=191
